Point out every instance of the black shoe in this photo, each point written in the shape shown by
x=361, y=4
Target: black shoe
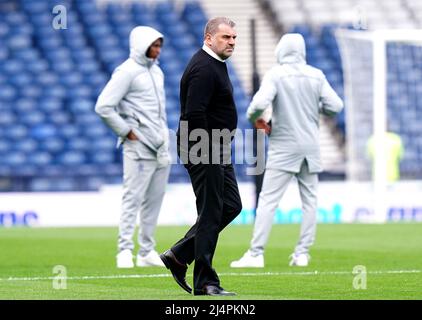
x=178, y=270
x=211, y=290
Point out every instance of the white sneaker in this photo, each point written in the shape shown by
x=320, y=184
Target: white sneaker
x=249, y=261
x=300, y=260
x=125, y=259
x=152, y=259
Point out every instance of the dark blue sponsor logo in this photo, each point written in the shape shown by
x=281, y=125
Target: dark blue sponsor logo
x=404, y=214
x=13, y=219
x=362, y=213
x=413, y=214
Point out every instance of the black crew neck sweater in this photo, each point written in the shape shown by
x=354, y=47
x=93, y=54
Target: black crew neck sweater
x=206, y=94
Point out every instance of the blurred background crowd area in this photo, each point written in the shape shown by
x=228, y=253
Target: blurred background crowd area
x=52, y=140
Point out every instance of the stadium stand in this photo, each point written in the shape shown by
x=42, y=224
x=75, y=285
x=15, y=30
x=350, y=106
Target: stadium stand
x=50, y=137
x=316, y=20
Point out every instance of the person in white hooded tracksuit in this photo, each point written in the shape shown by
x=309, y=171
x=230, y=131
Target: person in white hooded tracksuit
x=298, y=94
x=132, y=104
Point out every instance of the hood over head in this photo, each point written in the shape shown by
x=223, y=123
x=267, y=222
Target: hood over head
x=291, y=49
x=140, y=40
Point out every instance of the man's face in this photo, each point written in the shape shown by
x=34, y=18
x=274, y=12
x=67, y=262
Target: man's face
x=223, y=41
x=155, y=49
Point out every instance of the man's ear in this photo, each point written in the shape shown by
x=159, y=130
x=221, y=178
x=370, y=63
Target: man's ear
x=208, y=40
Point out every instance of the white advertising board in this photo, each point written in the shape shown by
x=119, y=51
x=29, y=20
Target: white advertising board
x=339, y=202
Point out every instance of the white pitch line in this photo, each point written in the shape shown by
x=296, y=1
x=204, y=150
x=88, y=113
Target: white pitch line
x=242, y=274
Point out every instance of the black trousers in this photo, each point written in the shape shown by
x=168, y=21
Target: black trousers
x=218, y=203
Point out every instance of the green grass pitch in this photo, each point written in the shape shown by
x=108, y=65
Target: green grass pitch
x=391, y=254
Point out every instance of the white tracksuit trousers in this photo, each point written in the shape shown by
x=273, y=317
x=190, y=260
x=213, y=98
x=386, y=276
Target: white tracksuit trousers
x=144, y=184
x=274, y=185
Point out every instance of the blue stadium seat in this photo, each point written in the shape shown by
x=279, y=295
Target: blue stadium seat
x=8, y=93
x=63, y=67
x=75, y=43
x=164, y=7
x=47, y=78
x=83, y=54
x=304, y=30
x=88, y=169
x=14, y=159
x=7, y=118
x=43, y=131
x=79, y=144
x=19, y=42
x=5, y=146
x=50, y=43
x=86, y=6
x=25, y=171
x=26, y=146
x=40, y=158
x=41, y=185
x=104, y=143
x=32, y=118
x=34, y=7
x=69, y=131
x=38, y=66
x=59, y=118
x=21, y=80
x=96, y=131
x=94, y=183
x=112, y=169
x=89, y=66
x=15, y=132
x=55, y=91
x=81, y=106
x=59, y=184
x=49, y=105
x=96, y=79
x=81, y=92
x=102, y=157
x=71, y=158
x=71, y=79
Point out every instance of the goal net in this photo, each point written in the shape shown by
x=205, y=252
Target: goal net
x=383, y=97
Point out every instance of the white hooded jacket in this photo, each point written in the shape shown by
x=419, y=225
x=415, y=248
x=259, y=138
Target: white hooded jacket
x=134, y=98
x=297, y=93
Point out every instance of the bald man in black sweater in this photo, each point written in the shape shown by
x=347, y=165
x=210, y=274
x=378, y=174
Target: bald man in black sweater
x=207, y=105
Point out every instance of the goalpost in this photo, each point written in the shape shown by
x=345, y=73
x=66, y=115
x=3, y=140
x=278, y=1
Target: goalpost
x=371, y=61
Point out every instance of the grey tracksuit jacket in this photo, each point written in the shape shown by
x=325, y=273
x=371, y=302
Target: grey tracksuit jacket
x=134, y=98
x=297, y=93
